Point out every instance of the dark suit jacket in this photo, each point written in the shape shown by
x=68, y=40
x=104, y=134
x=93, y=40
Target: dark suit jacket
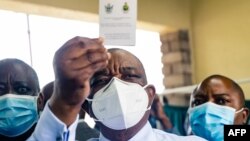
x=84, y=132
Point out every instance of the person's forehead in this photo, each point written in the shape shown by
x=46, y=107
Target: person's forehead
x=218, y=83
x=124, y=59
x=16, y=72
x=216, y=86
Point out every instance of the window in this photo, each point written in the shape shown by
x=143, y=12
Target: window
x=47, y=34
x=14, y=41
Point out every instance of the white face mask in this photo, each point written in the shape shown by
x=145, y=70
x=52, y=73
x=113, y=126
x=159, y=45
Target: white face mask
x=120, y=105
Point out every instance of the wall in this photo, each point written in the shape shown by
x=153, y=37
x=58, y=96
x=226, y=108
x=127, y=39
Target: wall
x=168, y=13
x=221, y=39
x=220, y=29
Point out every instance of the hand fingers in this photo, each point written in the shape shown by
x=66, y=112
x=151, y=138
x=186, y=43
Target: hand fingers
x=90, y=58
x=99, y=40
x=78, y=59
x=75, y=63
x=78, y=46
x=87, y=72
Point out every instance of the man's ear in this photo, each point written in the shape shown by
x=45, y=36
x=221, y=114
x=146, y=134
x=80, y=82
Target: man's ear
x=245, y=115
x=40, y=102
x=82, y=114
x=85, y=106
x=151, y=94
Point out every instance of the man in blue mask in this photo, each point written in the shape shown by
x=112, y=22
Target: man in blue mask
x=19, y=88
x=217, y=101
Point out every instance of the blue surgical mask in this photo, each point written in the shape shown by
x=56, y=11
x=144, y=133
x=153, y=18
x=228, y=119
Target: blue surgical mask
x=207, y=120
x=18, y=113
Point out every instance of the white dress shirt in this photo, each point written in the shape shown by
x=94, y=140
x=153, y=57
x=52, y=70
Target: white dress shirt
x=147, y=133
x=50, y=128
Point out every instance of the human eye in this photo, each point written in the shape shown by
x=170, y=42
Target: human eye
x=99, y=81
x=22, y=89
x=197, y=102
x=129, y=77
x=3, y=89
x=220, y=101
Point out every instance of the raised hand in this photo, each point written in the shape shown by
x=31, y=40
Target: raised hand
x=74, y=64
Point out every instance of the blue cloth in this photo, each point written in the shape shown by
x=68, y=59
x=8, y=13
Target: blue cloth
x=50, y=128
x=177, y=115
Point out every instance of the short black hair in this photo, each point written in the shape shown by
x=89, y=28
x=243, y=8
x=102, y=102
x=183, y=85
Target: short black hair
x=28, y=67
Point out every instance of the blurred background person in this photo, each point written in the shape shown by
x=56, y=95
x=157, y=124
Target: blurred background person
x=157, y=118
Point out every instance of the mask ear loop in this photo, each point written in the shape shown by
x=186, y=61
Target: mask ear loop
x=145, y=86
x=89, y=102
x=239, y=110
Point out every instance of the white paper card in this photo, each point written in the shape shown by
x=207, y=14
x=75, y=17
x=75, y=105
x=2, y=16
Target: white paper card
x=118, y=21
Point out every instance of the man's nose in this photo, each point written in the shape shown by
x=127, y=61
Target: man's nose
x=10, y=89
x=117, y=75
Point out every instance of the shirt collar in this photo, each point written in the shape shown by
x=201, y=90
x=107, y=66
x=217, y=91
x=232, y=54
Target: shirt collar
x=145, y=134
